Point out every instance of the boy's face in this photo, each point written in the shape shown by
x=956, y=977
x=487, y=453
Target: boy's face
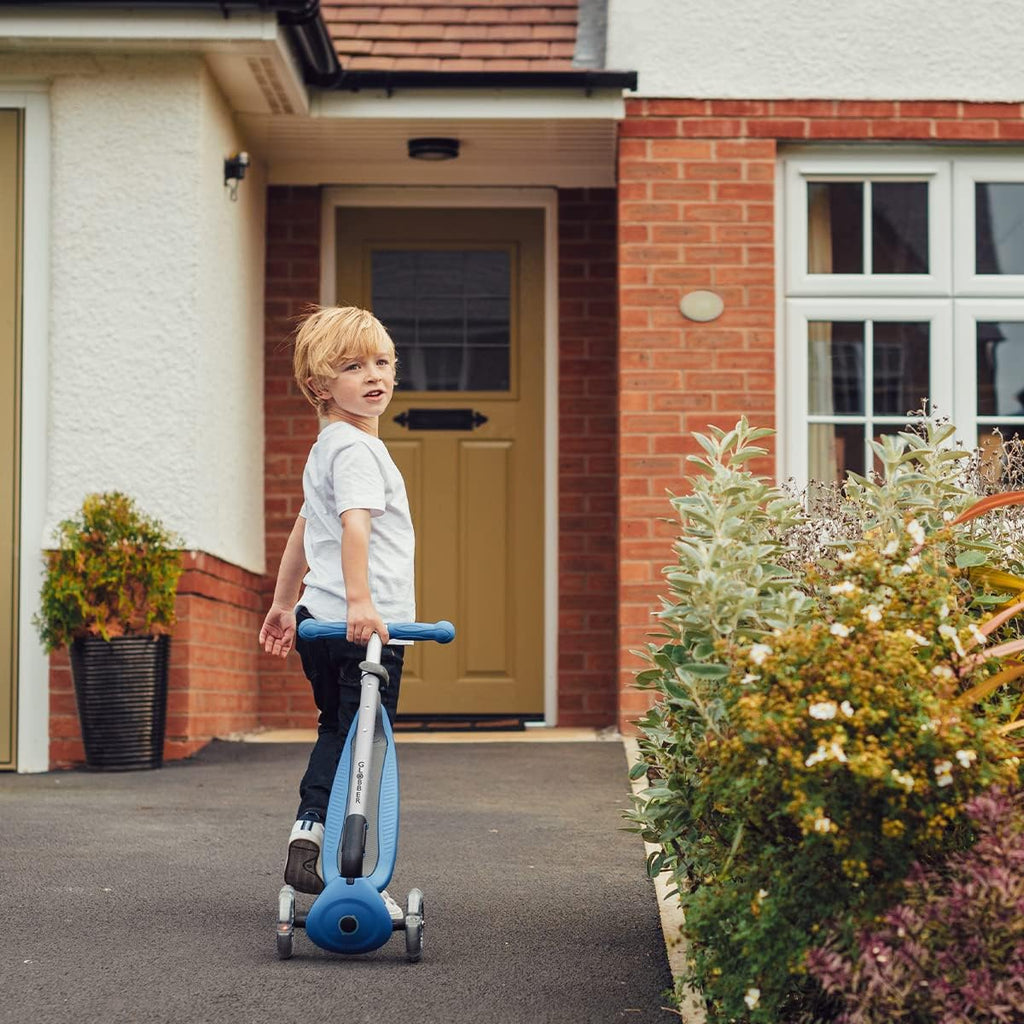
x=362, y=387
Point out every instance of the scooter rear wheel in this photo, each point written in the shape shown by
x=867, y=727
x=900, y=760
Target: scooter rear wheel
x=414, y=926
x=285, y=922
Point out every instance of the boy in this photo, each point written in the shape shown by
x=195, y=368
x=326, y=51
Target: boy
x=355, y=535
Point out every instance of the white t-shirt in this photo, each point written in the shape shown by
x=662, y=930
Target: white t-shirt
x=348, y=468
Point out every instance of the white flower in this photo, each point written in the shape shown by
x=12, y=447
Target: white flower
x=916, y=531
x=821, y=754
x=942, y=773
x=944, y=611
x=931, y=725
x=752, y=998
x=759, y=652
x=824, y=710
x=845, y=556
x=762, y=761
x=822, y=823
x=906, y=781
x=892, y=547
x=762, y=894
x=918, y=639
x=840, y=629
x=749, y=678
x=847, y=708
x=966, y=757
x=846, y=587
x=837, y=752
x=913, y=562
x=872, y=612
x=979, y=637
x=950, y=633
x=948, y=517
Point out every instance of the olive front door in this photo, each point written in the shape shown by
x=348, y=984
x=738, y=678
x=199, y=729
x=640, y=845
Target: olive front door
x=10, y=409
x=462, y=293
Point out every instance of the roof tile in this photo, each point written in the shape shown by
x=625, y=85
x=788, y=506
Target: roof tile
x=461, y=35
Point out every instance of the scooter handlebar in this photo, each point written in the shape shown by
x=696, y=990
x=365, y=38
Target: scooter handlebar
x=442, y=632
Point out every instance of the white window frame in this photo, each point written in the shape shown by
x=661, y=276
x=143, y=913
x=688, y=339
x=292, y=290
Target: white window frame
x=863, y=167
x=967, y=173
x=937, y=312
x=967, y=314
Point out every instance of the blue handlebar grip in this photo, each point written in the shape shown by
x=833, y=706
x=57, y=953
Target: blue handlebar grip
x=443, y=632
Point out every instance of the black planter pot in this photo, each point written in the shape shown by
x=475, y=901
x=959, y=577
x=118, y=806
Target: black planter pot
x=121, y=692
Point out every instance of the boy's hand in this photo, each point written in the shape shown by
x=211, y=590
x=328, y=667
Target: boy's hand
x=277, y=636
x=363, y=622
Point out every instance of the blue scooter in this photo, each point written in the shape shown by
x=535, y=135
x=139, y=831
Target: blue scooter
x=361, y=832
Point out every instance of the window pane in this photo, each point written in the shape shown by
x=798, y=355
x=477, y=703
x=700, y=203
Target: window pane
x=1000, y=368
x=835, y=379
x=835, y=227
x=448, y=311
x=999, y=227
x=835, y=449
x=901, y=367
x=899, y=227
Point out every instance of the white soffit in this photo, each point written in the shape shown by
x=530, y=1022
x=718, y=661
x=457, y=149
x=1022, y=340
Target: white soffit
x=247, y=54
x=507, y=137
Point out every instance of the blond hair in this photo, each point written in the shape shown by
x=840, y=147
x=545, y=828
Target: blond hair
x=329, y=336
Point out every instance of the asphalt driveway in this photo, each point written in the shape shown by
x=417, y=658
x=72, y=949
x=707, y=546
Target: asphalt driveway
x=151, y=896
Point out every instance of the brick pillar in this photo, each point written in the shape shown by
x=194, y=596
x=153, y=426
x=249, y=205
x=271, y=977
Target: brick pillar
x=587, y=459
x=696, y=212
x=293, y=283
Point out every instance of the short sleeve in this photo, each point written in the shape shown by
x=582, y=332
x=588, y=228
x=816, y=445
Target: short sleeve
x=358, y=481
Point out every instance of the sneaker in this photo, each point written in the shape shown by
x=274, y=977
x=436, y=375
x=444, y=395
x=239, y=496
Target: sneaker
x=396, y=912
x=304, y=868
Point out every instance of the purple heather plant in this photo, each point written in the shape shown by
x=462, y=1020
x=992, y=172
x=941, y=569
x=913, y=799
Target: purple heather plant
x=953, y=951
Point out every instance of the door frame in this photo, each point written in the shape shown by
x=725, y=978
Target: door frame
x=545, y=199
x=32, y=738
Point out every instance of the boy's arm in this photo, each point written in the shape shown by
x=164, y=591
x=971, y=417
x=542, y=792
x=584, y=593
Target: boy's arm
x=277, y=636
x=363, y=617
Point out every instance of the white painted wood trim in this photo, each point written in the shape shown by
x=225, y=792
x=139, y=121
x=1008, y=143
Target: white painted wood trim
x=547, y=200
x=33, y=682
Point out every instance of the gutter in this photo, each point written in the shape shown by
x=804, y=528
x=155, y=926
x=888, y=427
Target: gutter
x=586, y=79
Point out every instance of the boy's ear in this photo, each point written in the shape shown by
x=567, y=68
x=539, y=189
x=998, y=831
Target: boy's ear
x=317, y=388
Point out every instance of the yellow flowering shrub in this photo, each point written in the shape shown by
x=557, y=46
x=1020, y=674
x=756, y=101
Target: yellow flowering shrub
x=822, y=720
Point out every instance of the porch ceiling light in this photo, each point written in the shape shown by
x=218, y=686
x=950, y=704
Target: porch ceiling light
x=433, y=149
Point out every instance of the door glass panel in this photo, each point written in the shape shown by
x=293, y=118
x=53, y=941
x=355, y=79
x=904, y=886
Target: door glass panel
x=834, y=450
x=899, y=227
x=1000, y=368
x=835, y=227
x=835, y=377
x=999, y=227
x=449, y=312
x=901, y=367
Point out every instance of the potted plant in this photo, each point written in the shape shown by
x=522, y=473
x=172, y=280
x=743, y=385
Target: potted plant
x=108, y=594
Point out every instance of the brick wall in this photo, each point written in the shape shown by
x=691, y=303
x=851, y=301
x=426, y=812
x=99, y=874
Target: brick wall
x=697, y=210
x=212, y=680
x=292, y=284
x=587, y=468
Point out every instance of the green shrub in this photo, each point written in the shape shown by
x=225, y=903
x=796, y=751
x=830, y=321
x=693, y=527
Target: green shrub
x=113, y=573
x=823, y=712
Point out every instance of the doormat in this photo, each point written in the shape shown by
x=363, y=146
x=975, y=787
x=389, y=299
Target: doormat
x=464, y=723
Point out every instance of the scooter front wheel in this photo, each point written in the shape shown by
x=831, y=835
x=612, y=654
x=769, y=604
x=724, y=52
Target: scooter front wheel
x=285, y=922
x=414, y=926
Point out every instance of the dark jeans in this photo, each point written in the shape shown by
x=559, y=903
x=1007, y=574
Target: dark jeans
x=332, y=667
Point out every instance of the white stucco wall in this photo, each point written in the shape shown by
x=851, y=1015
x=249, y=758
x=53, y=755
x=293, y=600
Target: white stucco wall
x=831, y=49
x=156, y=349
